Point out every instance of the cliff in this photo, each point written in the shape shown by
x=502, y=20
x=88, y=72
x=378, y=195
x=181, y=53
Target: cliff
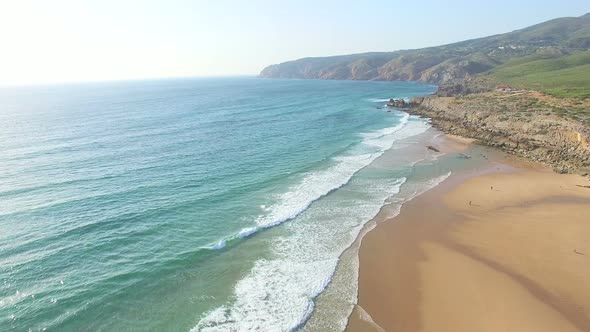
x=447, y=63
x=551, y=126
x=525, y=123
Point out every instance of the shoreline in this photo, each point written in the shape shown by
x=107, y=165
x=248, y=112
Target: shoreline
x=511, y=251
x=334, y=304
x=505, y=120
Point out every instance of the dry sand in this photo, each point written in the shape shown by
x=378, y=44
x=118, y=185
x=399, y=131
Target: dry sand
x=516, y=259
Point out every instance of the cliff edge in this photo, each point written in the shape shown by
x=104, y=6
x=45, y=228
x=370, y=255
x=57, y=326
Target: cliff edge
x=525, y=123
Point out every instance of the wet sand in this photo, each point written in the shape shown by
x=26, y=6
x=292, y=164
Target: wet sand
x=506, y=248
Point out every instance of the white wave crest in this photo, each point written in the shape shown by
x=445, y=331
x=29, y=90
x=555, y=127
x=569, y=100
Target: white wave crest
x=278, y=294
x=378, y=100
x=218, y=245
x=247, y=232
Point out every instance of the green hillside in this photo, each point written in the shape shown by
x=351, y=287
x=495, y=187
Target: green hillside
x=566, y=76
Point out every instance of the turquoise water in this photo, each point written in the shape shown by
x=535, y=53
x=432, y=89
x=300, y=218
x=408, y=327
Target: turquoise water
x=203, y=204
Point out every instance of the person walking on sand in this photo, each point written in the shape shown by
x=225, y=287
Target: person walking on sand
x=469, y=202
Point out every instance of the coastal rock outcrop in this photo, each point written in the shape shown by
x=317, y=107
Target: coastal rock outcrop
x=415, y=101
x=398, y=103
x=514, y=124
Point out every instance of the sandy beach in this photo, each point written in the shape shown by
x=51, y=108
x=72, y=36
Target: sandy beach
x=500, y=249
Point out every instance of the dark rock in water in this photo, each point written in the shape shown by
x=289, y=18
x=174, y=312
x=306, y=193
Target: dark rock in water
x=399, y=103
x=430, y=147
x=463, y=156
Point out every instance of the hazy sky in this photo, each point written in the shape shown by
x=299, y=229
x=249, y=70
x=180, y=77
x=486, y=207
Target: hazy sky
x=82, y=40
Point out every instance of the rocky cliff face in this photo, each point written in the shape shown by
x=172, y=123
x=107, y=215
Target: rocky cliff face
x=446, y=63
x=503, y=121
x=427, y=68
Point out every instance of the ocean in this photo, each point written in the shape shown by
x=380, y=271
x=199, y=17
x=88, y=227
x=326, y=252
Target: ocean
x=219, y=204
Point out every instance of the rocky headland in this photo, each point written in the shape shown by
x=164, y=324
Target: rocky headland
x=525, y=123
x=446, y=63
x=526, y=92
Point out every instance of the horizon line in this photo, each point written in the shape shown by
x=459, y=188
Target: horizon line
x=115, y=80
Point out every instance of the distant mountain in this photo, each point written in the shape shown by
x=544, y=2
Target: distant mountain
x=449, y=63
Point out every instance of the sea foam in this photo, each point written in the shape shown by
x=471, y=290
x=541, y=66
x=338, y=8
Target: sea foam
x=316, y=185
x=277, y=294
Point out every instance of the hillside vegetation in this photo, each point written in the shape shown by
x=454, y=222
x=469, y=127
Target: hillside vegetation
x=551, y=56
x=567, y=76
